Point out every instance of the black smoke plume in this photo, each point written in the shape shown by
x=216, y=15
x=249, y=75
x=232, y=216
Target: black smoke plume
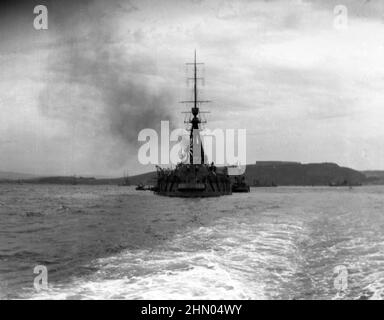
x=101, y=82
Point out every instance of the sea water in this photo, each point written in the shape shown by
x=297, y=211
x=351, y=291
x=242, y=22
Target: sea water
x=111, y=242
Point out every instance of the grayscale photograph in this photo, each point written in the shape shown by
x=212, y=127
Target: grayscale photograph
x=192, y=150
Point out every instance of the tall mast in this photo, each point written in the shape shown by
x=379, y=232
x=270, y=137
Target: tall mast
x=195, y=81
x=195, y=121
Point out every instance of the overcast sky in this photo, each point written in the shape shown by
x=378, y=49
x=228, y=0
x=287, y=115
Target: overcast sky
x=74, y=97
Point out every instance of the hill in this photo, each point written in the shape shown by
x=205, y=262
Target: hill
x=269, y=173
x=375, y=177
x=5, y=175
x=263, y=173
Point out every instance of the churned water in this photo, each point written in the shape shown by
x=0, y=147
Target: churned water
x=109, y=242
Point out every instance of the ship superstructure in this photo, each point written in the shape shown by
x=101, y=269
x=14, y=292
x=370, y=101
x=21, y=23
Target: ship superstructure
x=194, y=178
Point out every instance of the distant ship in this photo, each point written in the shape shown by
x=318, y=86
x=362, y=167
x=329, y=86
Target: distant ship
x=126, y=181
x=195, y=178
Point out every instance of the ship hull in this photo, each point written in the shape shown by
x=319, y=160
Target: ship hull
x=193, y=181
x=191, y=194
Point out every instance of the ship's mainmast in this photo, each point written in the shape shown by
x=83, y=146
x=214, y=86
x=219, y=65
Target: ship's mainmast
x=195, y=142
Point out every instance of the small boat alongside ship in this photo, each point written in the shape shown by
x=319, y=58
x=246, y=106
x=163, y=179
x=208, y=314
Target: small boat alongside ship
x=240, y=185
x=140, y=187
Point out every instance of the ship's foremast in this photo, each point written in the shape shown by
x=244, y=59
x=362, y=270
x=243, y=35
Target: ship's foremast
x=196, y=150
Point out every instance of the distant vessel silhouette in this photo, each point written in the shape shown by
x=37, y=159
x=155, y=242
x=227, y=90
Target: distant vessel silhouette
x=126, y=181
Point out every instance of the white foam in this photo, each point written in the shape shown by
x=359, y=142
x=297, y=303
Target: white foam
x=204, y=263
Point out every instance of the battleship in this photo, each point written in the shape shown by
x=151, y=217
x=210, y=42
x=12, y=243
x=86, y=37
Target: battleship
x=193, y=177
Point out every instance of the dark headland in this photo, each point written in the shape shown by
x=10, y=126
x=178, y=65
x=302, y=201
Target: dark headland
x=262, y=173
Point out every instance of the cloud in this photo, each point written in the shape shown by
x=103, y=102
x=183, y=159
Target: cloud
x=104, y=71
